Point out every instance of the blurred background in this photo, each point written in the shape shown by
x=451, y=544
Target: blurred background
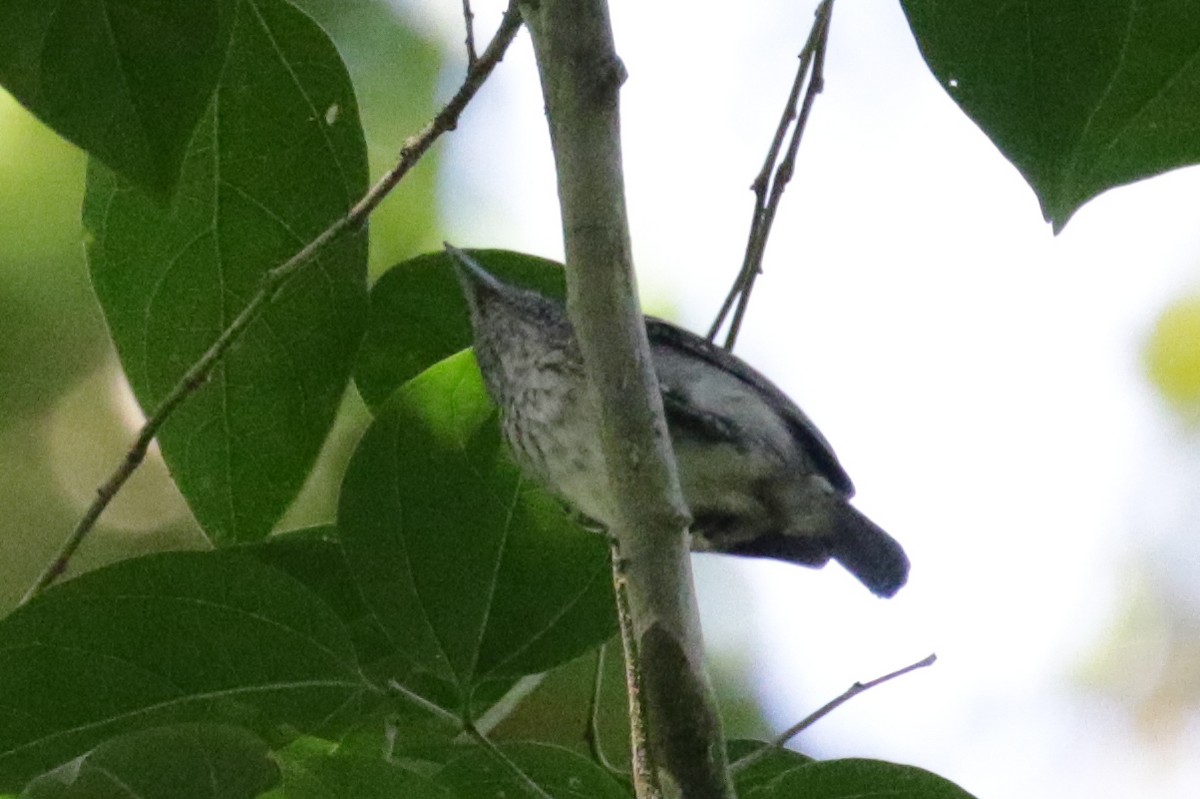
x=1018, y=409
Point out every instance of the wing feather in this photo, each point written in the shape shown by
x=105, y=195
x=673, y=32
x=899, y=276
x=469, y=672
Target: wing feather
x=680, y=341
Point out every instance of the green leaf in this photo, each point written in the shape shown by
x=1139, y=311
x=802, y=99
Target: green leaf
x=126, y=80
x=312, y=773
x=177, y=637
x=561, y=773
x=418, y=315
x=857, y=779
x=475, y=573
x=764, y=771
x=1081, y=95
x=396, y=68
x=185, y=761
x=277, y=157
x=315, y=557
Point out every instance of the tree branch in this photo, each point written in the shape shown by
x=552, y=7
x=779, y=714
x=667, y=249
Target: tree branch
x=581, y=76
x=773, y=178
x=273, y=282
x=825, y=709
x=469, y=24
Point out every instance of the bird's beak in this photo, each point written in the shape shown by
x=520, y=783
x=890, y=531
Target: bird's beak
x=470, y=273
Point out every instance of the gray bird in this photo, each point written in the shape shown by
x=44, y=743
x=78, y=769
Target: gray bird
x=759, y=478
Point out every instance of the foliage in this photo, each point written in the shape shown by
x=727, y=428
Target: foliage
x=345, y=660
x=278, y=153
x=1081, y=95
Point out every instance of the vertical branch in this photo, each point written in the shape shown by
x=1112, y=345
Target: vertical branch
x=581, y=76
x=773, y=178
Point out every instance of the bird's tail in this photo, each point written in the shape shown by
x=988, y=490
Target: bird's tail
x=867, y=552
x=856, y=542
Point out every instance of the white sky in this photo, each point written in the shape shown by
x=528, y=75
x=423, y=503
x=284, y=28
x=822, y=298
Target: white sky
x=978, y=378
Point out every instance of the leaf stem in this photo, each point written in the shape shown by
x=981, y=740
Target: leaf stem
x=432, y=708
x=273, y=282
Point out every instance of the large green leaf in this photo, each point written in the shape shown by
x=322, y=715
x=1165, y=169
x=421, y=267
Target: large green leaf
x=475, y=573
x=560, y=773
x=311, y=771
x=856, y=779
x=396, y=66
x=419, y=316
x=315, y=557
x=277, y=157
x=1081, y=95
x=126, y=80
x=185, y=761
x=765, y=770
x=169, y=638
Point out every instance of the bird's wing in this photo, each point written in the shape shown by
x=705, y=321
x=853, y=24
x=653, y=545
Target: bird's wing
x=665, y=334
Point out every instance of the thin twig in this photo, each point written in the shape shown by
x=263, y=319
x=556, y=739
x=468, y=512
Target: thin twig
x=772, y=179
x=469, y=23
x=645, y=775
x=591, y=733
x=274, y=281
x=824, y=710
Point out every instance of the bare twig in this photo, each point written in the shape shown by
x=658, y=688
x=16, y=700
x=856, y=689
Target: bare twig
x=772, y=180
x=469, y=23
x=273, y=282
x=825, y=710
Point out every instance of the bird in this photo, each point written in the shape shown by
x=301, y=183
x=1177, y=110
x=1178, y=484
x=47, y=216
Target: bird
x=758, y=477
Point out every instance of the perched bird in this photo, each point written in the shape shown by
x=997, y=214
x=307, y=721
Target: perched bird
x=759, y=478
